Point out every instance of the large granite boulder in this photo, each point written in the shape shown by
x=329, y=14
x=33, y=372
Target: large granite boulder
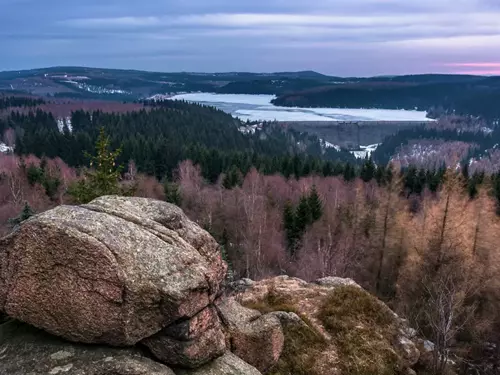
x=228, y=364
x=114, y=271
x=257, y=339
x=25, y=350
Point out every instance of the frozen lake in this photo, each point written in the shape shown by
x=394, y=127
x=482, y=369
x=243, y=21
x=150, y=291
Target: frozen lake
x=259, y=108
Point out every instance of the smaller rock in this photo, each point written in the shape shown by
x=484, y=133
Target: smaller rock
x=407, y=331
x=428, y=345
x=233, y=314
x=287, y=317
x=60, y=355
x=408, y=350
x=241, y=285
x=191, y=354
x=228, y=364
x=426, y=348
x=333, y=282
x=192, y=328
x=255, y=338
x=409, y=371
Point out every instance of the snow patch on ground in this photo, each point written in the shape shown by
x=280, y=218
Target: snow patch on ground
x=327, y=144
x=259, y=108
x=5, y=149
x=95, y=89
x=64, y=121
x=365, y=151
x=202, y=97
x=250, y=129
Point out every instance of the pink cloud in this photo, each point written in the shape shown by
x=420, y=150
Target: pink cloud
x=480, y=72
x=475, y=65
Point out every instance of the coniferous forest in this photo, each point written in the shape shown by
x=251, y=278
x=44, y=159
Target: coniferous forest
x=158, y=137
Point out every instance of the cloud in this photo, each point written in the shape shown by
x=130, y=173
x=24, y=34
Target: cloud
x=475, y=65
x=112, y=22
x=489, y=72
x=341, y=37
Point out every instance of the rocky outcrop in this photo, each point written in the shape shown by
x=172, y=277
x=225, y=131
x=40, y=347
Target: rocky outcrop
x=25, y=350
x=135, y=287
x=257, y=339
x=332, y=326
x=115, y=271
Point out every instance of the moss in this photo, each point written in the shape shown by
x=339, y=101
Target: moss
x=303, y=344
x=273, y=302
x=363, y=330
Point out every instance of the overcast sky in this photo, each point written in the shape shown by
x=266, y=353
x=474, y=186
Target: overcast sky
x=337, y=37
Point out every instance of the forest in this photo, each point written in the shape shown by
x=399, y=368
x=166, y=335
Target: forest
x=477, y=99
x=482, y=141
x=418, y=241
x=423, y=241
x=161, y=135
x=19, y=102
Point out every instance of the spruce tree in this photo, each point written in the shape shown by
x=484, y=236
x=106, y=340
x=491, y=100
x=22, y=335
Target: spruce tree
x=367, y=170
x=172, y=193
x=232, y=178
x=25, y=214
x=315, y=205
x=303, y=217
x=104, y=179
x=349, y=172
x=290, y=228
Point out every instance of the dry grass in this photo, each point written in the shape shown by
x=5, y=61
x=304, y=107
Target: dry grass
x=363, y=330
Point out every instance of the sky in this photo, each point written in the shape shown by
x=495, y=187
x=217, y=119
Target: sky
x=336, y=37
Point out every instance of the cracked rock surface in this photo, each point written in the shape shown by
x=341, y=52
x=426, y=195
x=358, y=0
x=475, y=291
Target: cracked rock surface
x=113, y=272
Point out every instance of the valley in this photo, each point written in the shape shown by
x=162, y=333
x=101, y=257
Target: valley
x=351, y=114
x=347, y=128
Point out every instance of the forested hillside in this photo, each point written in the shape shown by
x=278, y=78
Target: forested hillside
x=479, y=97
x=19, y=102
x=162, y=134
x=482, y=140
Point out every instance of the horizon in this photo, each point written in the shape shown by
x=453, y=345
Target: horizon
x=343, y=38
x=477, y=74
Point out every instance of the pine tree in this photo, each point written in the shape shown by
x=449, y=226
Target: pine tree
x=104, y=179
x=25, y=214
x=315, y=205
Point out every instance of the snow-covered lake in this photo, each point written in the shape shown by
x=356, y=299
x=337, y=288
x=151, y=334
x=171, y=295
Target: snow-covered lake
x=259, y=108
